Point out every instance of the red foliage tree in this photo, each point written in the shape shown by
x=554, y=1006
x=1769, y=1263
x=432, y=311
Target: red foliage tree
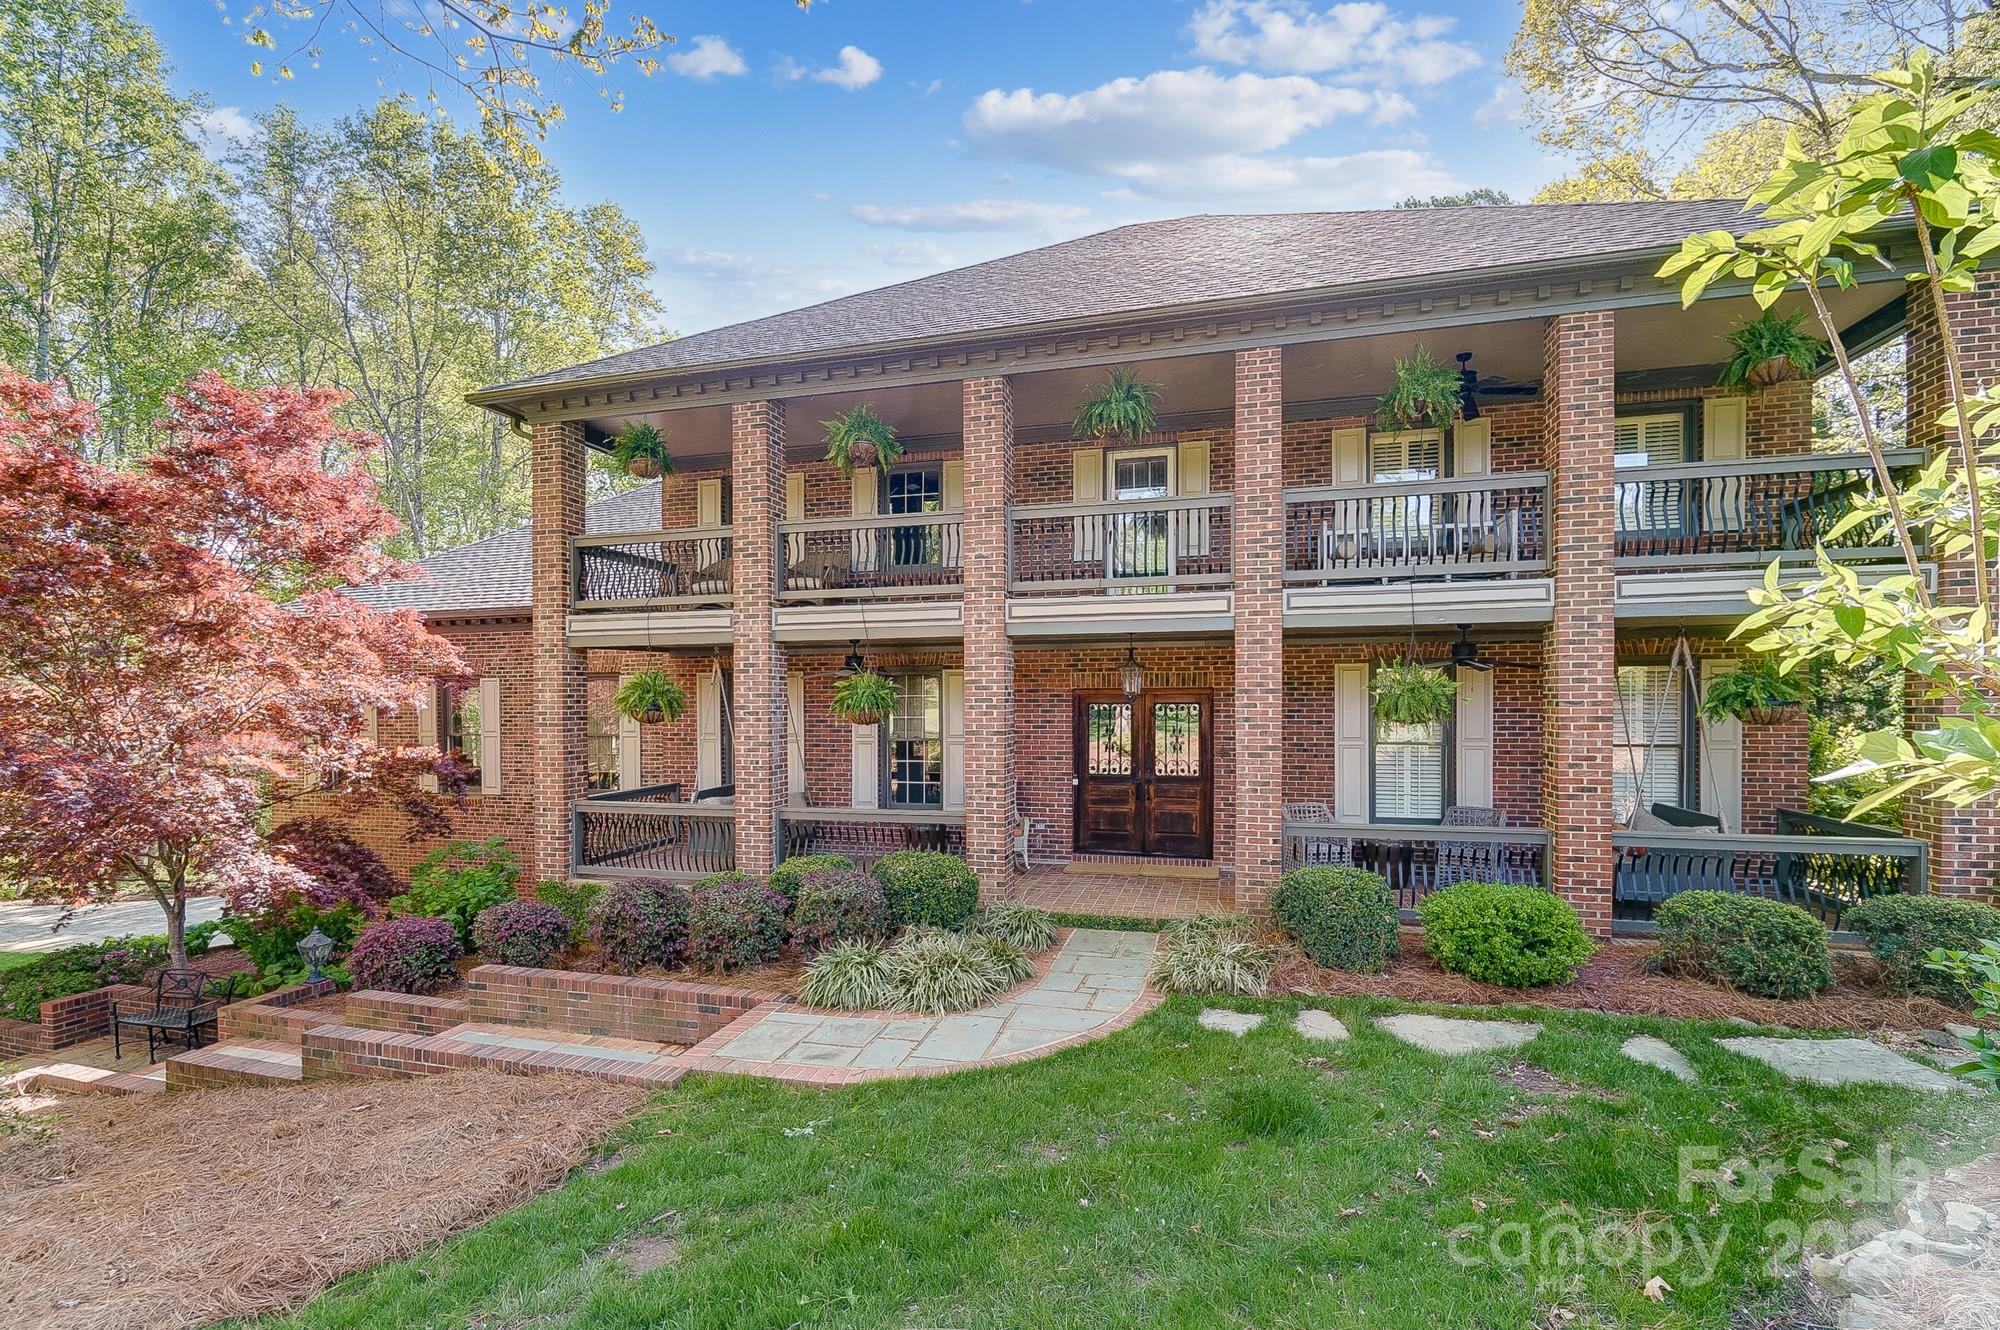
x=176, y=652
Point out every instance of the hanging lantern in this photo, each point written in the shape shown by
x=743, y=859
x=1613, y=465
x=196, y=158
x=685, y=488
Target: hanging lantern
x=1131, y=674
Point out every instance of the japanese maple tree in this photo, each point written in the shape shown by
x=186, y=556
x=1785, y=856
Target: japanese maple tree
x=176, y=652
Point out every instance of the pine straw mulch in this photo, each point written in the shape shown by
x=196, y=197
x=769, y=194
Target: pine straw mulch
x=1617, y=981
x=168, y=1211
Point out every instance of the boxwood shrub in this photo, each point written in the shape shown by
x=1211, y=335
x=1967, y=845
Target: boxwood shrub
x=1516, y=936
x=1901, y=931
x=641, y=923
x=924, y=887
x=1342, y=917
x=521, y=933
x=788, y=876
x=735, y=924
x=415, y=954
x=838, y=905
x=574, y=899
x=1757, y=946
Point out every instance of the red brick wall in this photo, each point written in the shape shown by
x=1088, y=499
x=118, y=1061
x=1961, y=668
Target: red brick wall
x=559, y=772
x=1258, y=524
x=757, y=432
x=667, y=1011
x=988, y=414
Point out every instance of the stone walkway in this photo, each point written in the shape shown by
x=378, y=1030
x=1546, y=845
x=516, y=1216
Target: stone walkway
x=26, y=927
x=1094, y=985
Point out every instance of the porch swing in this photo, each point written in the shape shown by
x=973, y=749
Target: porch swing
x=1646, y=875
x=725, y=705
x=1671, y=815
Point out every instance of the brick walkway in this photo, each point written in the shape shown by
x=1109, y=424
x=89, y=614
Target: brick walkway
x=1121, y=895
x=1093, y=986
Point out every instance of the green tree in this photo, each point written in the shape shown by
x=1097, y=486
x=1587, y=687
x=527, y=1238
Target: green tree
x=1471, y=198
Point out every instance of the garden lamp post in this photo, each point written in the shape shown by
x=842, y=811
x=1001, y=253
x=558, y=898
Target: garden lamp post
x=317, y=948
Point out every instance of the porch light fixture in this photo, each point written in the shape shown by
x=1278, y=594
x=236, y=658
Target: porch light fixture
x=317, y=948
x=853, y=665
x=1131, y=674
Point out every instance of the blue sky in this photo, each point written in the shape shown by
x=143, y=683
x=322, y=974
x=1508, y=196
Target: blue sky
x=785, y=157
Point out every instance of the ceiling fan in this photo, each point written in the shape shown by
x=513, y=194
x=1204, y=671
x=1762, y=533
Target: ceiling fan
x=1465, y=654
x=1471, y=385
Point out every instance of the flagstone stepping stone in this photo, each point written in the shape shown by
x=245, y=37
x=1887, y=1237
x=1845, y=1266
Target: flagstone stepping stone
x=1658, y=1053
x=1444, y=1034
x=1841, y=1062
x=1238, y=1023
x=1316, y=1024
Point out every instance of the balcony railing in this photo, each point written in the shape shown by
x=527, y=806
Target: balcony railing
x=850, y=558
x=866, y=834
x=1146, y=545
x=1724, y=513
x=648, y=832
x=1417, y=860
x=654, y=570
x=1468, y=526
x=1822, y=864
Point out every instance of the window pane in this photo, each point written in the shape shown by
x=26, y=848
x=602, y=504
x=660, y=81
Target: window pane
x=602, y=720
x=916, y=744
x=463, y=739
x=1409, y=773
x=1177, y=739
x=1108, y=738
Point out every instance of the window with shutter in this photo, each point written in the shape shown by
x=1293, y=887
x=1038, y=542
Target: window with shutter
x=1409, y=773
x=1655, y=440
x=603, y=734
x=1411, y=455
x=915, y=752
x=1649, y=741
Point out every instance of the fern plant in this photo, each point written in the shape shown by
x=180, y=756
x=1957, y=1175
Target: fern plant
x=1408, y=692
x=1770, y=350
x=1427, y=393
x=1753, y=692
x=641, y=450
x=1123, y=406
x=865, y=699
x=650, y=697
x=860, y=438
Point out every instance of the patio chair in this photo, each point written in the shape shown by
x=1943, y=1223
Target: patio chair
x=1317, y=851
x=1469, y=860
x=179, y=1010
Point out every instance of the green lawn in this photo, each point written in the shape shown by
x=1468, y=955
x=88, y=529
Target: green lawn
x=1167, y=1176
x=11, y=959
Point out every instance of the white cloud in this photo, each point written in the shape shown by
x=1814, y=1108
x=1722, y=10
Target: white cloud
x=220, y=129
x=925, y=254
x=972, y=215
x=787, y=70
x=707, y=57
x=1172, y=115
x=739, y=286
x=856, y=70
x=1364, y=40
x=1504, y=107
x=1355, y=180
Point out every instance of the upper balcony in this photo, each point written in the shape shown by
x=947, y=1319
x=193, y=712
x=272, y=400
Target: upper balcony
x=1139, y=565
x=883, y=576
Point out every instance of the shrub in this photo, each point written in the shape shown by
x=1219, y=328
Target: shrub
x=1902, y=931
x=838, y=905
x=79, y=969
x=1342, y=917
x=927, y=888
x=1519, y=937
x=409, y=955
x=1025, y=926
x=457, y=881
x=848, y=976
x=574, y=899
x=641, y=923
x=788, y=876
x=734, y=924
x=1978, y=969
x=521, y=933
x=342, y=869
x=717, y=879
x=934, y=973
x=1211, y=954
x=271, y=937
x=1758, y=946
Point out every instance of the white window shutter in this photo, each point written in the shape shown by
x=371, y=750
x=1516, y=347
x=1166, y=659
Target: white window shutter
x=1724, y=438
x=1086, y=485
x=1721, y=783
x=953, y=707
x=489, y=735
x=1350, y=456
x=708, y=502
x=1350, y=743
x=795, y=496
x=1191, y=534
x=427, y=731
x=371, y=724
x=631, y=749
x=795, y=737
x=863, y=495
x=1472, y=447
x=1475, y=738
x=951, y=486
x=707, y=732
x=865, y=753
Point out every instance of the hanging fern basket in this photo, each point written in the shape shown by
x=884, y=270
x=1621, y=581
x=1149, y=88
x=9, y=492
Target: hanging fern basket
x=860, y=439
x=640, y=450
x=650, y=698
x=1765, y=373
x=1408, y=692
x=865, y=699
x=1782, y=714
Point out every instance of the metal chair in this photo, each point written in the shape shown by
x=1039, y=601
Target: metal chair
x=179, y=1010
x=1468, y=860
x=1318, y=851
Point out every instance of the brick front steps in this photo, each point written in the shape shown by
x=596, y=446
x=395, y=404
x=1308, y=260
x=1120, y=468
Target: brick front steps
x=347, y=1050
x=74, y=1078
x=239, y=1062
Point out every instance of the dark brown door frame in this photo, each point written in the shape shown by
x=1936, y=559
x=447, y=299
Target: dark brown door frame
x=1144, y=800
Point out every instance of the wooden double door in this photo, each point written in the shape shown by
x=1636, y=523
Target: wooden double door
x=1144, y=774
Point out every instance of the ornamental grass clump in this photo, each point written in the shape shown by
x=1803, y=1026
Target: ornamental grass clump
x=640, y=924
x=415, y=954
x=936, y=973
x=521, y=933
x=848, y=976
x=1211, y=954
x=733, y=925
x=1013, y=963
x=838, y=905
x=1027, y=927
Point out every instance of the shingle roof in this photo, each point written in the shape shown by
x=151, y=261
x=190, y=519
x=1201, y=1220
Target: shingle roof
x=496, y=573
x=1184, y=261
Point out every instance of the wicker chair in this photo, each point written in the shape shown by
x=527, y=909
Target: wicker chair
x=1469, y=860
x=1318, y=851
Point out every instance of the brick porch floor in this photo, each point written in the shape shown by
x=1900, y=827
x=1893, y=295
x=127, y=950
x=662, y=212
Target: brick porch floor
x=1053, y=888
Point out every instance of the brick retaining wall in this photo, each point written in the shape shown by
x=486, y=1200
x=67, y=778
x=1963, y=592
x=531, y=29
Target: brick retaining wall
x=667, y=1011
x=275, y=1016
x=404, y=1013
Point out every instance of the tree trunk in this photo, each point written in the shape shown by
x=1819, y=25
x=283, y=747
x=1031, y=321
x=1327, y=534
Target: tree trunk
x=173, y=900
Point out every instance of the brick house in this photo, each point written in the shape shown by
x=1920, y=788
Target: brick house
x=1147, y=663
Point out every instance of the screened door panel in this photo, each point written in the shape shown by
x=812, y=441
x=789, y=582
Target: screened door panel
x=1138, y=544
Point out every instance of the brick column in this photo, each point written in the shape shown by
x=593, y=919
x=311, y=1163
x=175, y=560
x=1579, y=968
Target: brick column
x=1579, y=664
x=1257, y=521
x=757, y=470
x=562, y=757
x=1965, y=842
x=988, y=431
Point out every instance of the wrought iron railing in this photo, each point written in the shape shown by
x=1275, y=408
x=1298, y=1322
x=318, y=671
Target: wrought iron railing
x=1821, y=864
x=1723, y=513
x=1417, y=860
x=1464, y=526
x=866, y=834
x=849, y=558
x=648, y=832
x=1145, y=545
x=654, y=570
